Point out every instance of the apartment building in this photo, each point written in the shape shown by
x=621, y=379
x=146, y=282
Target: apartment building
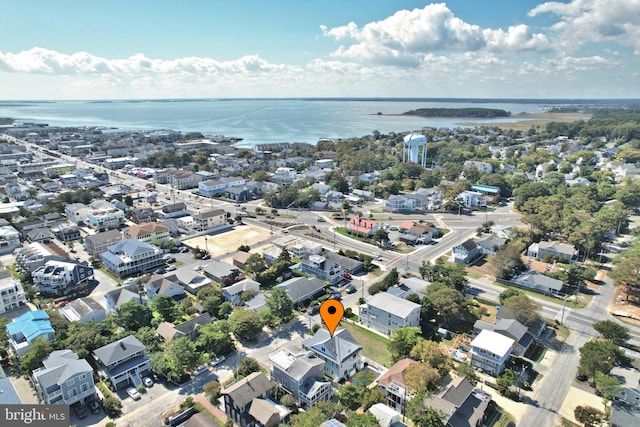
x=104, y=218
x=209, y=219
x=130, y=257
x=96, y=244
x=9, y=239
x=64, y=379
x=150, y=232
x=57, y=278
x=385, y=313
x=12, y=295
x=490, y=351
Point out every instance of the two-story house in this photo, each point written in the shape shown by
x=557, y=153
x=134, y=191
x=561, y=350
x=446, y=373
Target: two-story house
x=211, y=187
x=302, y=289
x=221, y=272
x=209, y=219
x=362, y=227
x=466, y=252
x=491, y=243
x=322, y=268
x=104, y=218
x=58, y=278
x=64, y=379
x=130, y=257
x=25, y=329
x=490, y=351
x=84, y=310
x=76, y=212
x=340, y=352
x=385, y=312
x=148, y=232
x=160, y=285
x=142, y=215
x=96, y=244
x=300, y=375
x=233, y=293
x=561, y=250
x=168, y=331
x=123, y=362
x=246, y=402
x=510, y=328
x=66, y=232
x=472, y=199
x=12, y=296
x=460, y=404
x=174, y=210
x=123, y=294
x=9, y=239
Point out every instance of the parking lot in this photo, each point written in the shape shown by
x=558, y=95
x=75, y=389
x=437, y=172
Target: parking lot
x=228, y=242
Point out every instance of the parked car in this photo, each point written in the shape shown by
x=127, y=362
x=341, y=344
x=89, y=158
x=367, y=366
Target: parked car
x=320, y=219
x=346, y=275
x=351, y=289
x=200, y=370
x=170, y=260
x=314, y=309
x=581, y=377
x=79, y=410
x=200, y=268
x=218, y=360
x=206, y=256
x=183, y=250
x=94, y=406
x=147, y=381
x=160, y=271
x=172, y=268
x=133, y=393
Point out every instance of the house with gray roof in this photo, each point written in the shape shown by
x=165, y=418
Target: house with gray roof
x=460, y=404
x=537, y=281
x=131, y=256
x=562, y=250
x=301, y=375
x=385, y=312
x=340, y=352
x=123, y=362
x=221, y=272
x=233, y=293
x=490, y=243
x=84, y=310
x=164, y=285
x=9, y=395
x=123, y=294
x=247, y=402
x=64, y=379
x=168, y=331
x=301, y=289
x=510, y=328
x=466, y=252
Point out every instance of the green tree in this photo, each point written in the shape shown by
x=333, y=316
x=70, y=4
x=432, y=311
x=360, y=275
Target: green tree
x=366, y=419
x=422, y=377
x=402, y=341
x=128, y=200
x=434, y=355
x=225, y=310
x=505, y=381
x=372, y=396
x=612, y=331
x=166, y=306
x=525, y=311
x=599, y=356
x=149, y=337
x=112, y=406
x=32, y=359
x=132, y=316
x=215, y=339
x=608, y=386
x=280, y=304
x=248, y=366
x=505, y=261
x=245, y=324
x=351, y=396
x=211, y=299
x=450, y=304
x=465, y=369
x=255, y=263
x=508, y=293
x=421, y=414
x=4, y=337
x=162, y=365
x=289, y=402
x=381, y=236
x=183, y=354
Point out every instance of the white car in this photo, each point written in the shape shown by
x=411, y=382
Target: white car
x=218, y=360
x=133, y=393
x=147, y=381
x=200, y=370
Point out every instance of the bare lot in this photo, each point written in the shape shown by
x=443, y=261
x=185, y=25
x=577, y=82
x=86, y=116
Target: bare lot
x=220, y=244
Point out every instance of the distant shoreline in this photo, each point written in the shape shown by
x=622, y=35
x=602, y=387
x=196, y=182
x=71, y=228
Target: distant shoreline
x=532, y=119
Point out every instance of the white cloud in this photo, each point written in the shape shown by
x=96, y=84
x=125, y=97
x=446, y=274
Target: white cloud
x=45, y=61
x=595, y=20
x=407, y=37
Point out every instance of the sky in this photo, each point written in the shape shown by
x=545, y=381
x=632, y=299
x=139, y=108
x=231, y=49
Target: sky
x=141, y=49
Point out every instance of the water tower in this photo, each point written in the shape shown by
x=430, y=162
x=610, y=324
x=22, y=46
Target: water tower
x=411, y=150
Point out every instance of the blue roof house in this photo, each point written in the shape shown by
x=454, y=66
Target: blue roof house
x=24, y=330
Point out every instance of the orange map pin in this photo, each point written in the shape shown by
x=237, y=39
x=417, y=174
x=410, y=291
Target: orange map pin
x=331, y=312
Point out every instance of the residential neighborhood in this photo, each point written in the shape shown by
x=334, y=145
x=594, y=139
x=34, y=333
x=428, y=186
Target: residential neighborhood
x=166, y=278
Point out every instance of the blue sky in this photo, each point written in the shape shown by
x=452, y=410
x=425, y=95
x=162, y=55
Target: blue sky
x=300, y=48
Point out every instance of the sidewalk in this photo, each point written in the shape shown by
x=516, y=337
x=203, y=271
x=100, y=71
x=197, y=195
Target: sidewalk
x=211, y=408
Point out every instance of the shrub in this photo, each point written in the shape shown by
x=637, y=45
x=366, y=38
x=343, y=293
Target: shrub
x=111, y=406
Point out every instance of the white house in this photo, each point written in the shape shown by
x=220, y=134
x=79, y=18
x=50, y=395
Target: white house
x=9, y=239
x=234, y=292
x=130, y=257
x=209, y=219
x=59, y=277
x=211, y=187
x=385, y=313
x=341, y=352
x=13, y=296
x=490, y=351
x=472, y=199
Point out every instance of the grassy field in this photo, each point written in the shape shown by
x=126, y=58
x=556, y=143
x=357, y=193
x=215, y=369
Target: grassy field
x=584, y=300
x=375, y=346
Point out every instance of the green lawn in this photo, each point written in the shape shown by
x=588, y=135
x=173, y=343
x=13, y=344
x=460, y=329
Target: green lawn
x=12, y=270
x=584, y=299
x=374, y=345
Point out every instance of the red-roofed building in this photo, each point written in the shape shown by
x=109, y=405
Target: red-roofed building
x=362, y=227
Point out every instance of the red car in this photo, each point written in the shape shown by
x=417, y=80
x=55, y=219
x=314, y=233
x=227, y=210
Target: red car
x=346, y=275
